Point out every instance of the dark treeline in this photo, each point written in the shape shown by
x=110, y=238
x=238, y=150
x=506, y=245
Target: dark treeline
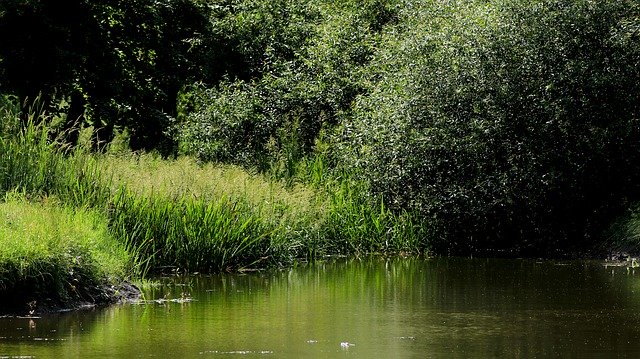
x=507, y=127
x=112, y=64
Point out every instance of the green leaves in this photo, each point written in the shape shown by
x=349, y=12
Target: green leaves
x=298, y=69
x=507, y=126
x=122, y=63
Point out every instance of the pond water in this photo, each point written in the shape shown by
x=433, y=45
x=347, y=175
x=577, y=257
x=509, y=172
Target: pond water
x=384, y=308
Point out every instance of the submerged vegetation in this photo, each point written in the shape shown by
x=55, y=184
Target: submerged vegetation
x=220, y=135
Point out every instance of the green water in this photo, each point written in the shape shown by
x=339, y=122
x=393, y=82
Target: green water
x=397, y=308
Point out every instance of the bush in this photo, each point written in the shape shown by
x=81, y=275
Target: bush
x=302, y=66
x=508, y=126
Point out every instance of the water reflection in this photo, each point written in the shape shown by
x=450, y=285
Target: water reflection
x=374, y=308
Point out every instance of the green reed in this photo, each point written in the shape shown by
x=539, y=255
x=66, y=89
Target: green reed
x=192, y=234
x=356, y=224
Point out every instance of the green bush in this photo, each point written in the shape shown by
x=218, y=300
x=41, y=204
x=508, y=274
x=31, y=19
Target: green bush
x=303, y=66
x=508, y=126
x=227, y=124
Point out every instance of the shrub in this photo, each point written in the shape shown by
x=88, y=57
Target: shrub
x=509, y=125
x=303, y=67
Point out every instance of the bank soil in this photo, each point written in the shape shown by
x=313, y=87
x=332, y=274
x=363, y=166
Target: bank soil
x=24, y=302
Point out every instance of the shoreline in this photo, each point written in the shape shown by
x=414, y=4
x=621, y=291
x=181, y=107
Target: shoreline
x=126, y=292
x=102, y=296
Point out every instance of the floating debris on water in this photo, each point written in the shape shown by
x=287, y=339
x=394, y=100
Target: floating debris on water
x=49, y=339
x=407, y=338
x=163, y=301
x=346, y=345
x=240, y=352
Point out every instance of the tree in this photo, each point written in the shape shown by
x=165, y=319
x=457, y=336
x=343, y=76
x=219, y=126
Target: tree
x=120, y=63
x=509, y=126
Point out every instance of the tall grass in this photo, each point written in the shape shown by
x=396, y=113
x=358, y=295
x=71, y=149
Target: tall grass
x=28, y=160
x=353, y=222
x=214, y=217
x=196, y=217
x=191, y=234
x=204, y=217
x=148, y=175
x=355, y=225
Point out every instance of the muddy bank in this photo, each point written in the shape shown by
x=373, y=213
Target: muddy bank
x=22, y=302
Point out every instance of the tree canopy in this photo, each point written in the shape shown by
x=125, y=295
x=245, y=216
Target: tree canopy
x=118, y=63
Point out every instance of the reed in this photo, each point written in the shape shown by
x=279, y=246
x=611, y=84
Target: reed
x=357, y=224
x=190, y=234
x=195, y=217
x=212, y=217
x=28, y=161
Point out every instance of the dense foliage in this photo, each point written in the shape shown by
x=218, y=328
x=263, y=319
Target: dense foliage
x=508, y=126
x=299, y=88
x=113, y=63
x=183, y=215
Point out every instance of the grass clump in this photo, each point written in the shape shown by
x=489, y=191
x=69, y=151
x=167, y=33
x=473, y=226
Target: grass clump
x=186, y=178
x=191, y=234
x=51, y=255
x=215, y=217
x=208, y=218
x=29, y=161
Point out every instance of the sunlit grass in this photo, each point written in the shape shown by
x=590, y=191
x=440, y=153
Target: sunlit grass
x=184, y=178
x=203, y=217
x=215, y=217
x=182, y=214
x=49, y=250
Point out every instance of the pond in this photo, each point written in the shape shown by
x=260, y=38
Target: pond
x=385, y=308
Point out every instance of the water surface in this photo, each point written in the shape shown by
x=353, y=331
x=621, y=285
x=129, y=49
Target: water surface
x=385, y=308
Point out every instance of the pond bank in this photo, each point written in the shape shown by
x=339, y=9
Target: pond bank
x=53, y=257
x=27, y=304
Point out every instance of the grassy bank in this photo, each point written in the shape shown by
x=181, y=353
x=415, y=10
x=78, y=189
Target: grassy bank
x=211, y=218
x=53, y=256
x=175, y=213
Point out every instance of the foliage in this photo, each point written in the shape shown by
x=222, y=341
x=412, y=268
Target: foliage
x=253, y=36
x=503, y=127
x=308, y=74
x=195, y=217
x=118, y=63
x=227, y=125
x=508, y=125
